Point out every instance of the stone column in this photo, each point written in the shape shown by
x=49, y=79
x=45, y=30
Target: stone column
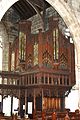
x=78, y=77
x=77, y=66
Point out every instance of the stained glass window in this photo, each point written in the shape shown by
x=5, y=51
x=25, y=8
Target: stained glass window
x=36, y=53
x=22, y=46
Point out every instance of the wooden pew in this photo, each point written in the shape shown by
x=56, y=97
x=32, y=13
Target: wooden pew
x=43, y=115
x=54, y=116
x=49, y=115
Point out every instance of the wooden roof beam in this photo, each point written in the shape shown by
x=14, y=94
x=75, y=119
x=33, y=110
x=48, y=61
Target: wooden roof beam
x=37, y=11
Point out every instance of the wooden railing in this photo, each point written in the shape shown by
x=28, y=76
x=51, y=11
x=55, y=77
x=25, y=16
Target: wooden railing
x=36, y=78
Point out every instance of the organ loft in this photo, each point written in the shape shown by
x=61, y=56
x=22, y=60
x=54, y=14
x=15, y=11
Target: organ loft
x=41, y=68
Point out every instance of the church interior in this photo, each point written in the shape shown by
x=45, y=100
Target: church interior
x=38, y=62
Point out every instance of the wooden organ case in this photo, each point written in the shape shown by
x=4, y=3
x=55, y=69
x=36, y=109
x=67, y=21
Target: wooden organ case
x=45, y=64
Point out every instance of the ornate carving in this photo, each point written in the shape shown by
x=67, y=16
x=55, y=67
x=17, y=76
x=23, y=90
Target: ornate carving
x=63, y=62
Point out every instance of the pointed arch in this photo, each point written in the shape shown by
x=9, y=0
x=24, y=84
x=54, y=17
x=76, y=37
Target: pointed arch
x=61, y=7
x=5, y=5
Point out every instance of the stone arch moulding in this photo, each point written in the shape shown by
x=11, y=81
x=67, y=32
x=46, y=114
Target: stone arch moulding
x=69, y=18
x=71, y=21
x=61, y=7
x=5, y=5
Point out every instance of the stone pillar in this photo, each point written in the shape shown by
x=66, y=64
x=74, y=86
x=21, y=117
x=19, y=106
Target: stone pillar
x=79, y=86
x=77, y=61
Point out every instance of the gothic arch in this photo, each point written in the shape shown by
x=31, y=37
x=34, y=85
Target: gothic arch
x=5, y=5
x=62, y=8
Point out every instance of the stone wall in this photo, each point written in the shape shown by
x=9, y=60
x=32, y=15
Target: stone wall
x=4, y=36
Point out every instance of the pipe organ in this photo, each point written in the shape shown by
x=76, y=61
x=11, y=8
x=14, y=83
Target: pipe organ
x=41, y=67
